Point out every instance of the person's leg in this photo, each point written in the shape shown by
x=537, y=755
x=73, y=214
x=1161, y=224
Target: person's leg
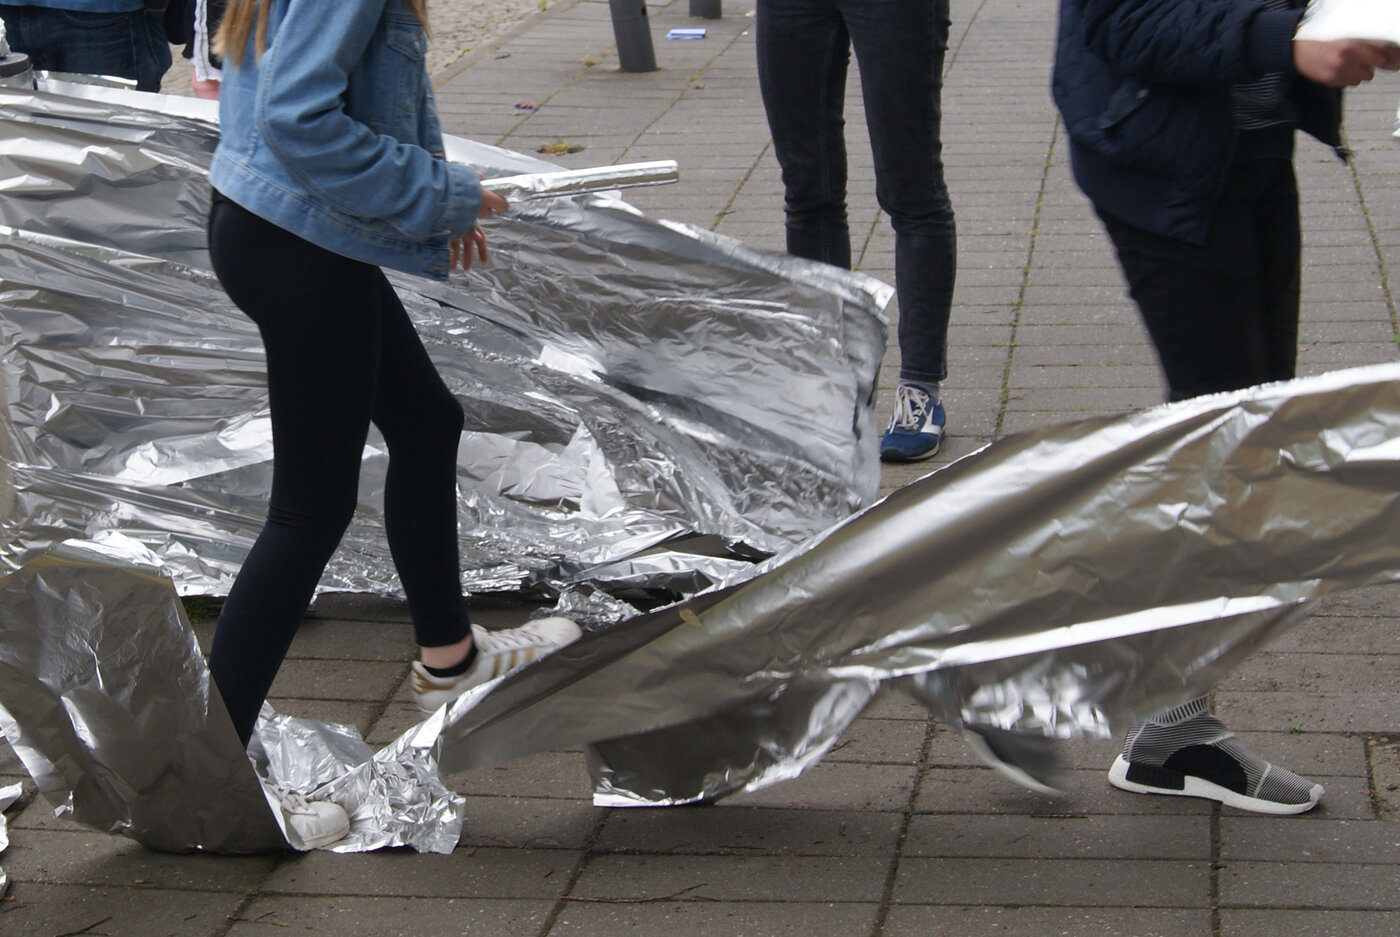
x=321, y=339
x=421, y=422
x=1222, y=316
x=900, y=47
x=803, y=52
x=125, y=45
x=1280, y=248
x=1188, y=752
x=1201, y=303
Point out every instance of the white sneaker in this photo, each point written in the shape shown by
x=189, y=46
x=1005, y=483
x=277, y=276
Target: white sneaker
x=497, y=654
x=311, y=824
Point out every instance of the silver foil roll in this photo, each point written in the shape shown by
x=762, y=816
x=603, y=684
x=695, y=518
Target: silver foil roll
x=579, y=181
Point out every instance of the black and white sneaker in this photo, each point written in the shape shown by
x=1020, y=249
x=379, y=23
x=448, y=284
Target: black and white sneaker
x=1188, y=752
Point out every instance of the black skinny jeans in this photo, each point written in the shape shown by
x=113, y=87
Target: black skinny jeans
x=804, y=50
x=1223, y=315
x=341, y=353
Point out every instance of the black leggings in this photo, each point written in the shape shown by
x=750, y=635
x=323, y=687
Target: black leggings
x=341, y=353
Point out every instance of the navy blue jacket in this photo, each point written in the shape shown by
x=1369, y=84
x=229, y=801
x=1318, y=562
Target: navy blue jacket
x=1144, y=87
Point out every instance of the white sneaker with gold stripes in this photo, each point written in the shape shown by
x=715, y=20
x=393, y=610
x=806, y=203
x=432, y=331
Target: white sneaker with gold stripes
x=497, y=654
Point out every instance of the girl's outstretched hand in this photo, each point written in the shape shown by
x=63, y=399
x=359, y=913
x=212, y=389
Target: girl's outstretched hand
x=474, y=241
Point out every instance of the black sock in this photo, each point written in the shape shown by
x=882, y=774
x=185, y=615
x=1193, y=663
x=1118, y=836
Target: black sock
x=457, y=669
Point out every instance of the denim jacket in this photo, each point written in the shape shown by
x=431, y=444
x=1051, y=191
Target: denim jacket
x=333, y=135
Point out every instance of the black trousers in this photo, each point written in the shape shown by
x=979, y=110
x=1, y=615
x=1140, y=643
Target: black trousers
x=341, y=353
x=1223, y=315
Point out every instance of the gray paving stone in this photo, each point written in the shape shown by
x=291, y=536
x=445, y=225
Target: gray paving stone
x=1095, y=836
x=951, y=921
x=84, y=857
x=39, y=910
x=836, y=786
x=1312, y=923
x=529, y=822
x=1264, y=839
x=884, y=741
x=1122, y=883
x=468, y=873
x=1087, y=793
x=715, y=919
x=1307, y=885
x=799, y=879
x=731, y=828
x=548, y=774
x=355, y=916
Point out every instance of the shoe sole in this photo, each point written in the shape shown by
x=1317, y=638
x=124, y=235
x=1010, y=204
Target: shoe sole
x=893, y=456
x=1199, y=787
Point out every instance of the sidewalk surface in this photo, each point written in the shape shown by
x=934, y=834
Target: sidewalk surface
x=900, y=831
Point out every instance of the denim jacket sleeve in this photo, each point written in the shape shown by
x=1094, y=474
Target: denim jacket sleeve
x=300, y=114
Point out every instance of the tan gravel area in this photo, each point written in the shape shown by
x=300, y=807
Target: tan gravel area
x=459, y=27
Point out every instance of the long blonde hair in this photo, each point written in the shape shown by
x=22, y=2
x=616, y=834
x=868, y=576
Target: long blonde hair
x=244, y=16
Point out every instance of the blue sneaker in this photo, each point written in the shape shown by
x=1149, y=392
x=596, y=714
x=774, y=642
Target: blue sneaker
x=916, y=429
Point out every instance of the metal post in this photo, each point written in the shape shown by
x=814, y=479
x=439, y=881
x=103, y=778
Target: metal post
x=633, y=32
x=706, y=9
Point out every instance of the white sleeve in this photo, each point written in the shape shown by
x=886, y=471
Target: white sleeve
x=204, y=69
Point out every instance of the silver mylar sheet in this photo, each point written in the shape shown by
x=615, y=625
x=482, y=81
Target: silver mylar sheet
x=1088, y=573
x=106, y=699
x=627, y=382
x=1055, y=584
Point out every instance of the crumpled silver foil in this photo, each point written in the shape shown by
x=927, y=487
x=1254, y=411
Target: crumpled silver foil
x=628, y=383
x=106, y=699
x=8, y=795
x=1088, y=573
x=394, y=797
x=1055, y=584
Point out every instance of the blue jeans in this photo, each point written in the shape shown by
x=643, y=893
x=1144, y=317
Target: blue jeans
x=804, y=50
x=125, y=45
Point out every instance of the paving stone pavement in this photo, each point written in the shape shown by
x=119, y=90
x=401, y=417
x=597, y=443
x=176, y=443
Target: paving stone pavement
x=900, y=831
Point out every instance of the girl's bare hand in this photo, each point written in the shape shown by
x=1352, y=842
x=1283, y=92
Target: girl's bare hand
x=492, y=204
x=473, y=242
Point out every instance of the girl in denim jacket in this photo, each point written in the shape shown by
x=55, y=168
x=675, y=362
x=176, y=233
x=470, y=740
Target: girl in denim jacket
x=331, y=165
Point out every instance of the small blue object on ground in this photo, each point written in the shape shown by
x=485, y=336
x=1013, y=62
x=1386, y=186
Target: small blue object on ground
x=687, y=32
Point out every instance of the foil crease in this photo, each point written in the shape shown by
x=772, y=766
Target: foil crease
x=627, y=382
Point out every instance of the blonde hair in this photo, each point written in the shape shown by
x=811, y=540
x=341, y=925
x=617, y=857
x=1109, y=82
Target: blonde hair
x=250, y=16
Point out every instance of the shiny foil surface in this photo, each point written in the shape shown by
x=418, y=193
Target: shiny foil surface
x=1087, y=573
x=626, y=382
